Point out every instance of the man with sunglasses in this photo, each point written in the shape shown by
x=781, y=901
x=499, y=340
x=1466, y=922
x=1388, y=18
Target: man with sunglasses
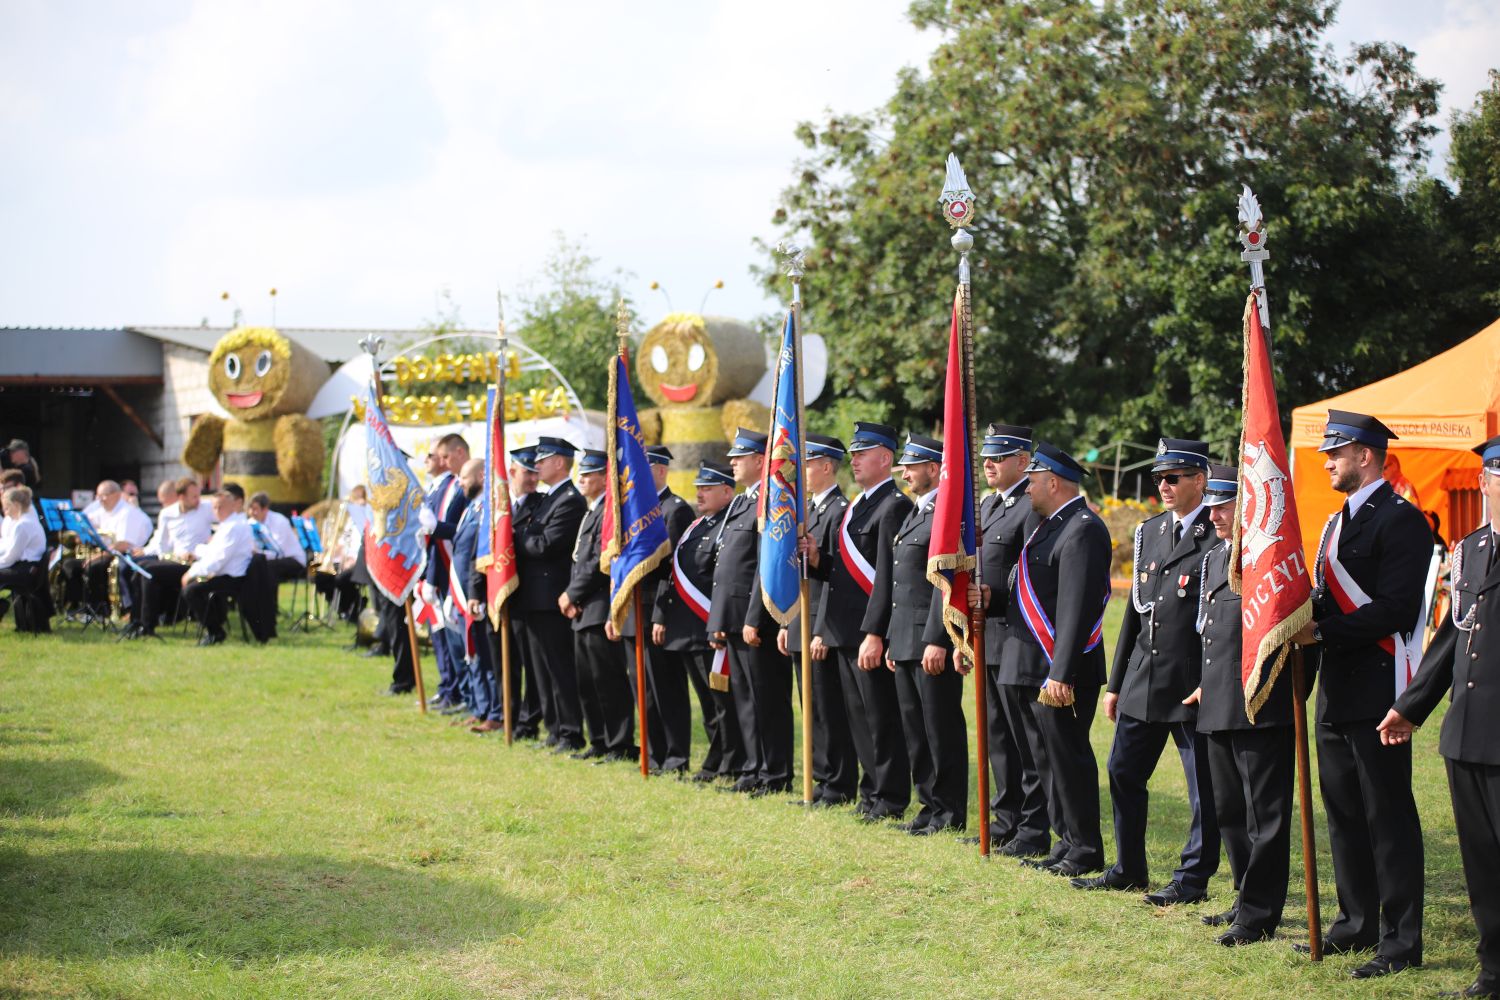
x=1159, y=663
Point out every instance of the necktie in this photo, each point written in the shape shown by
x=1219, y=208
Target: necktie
x=1176, y=533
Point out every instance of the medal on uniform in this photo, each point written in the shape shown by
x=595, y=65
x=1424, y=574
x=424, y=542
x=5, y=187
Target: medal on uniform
x=1199, y=530
x=1010, y=502
x=1182, y=582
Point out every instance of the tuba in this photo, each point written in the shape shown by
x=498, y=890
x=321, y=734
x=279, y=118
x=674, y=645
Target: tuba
x=333, y=542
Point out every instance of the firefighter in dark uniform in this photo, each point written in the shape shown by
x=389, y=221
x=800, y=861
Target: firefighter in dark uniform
x=1470, y=739
x=1018, y=803
x=669, y=715
x=852, y=623
x=835, y=765
x=1158, y=661
x=603, y=688
x=1371, y=574
x=526, y=700
x=1251, y=762
x=1055, y=645
x=929, y=690
x=544, y=561
x=681, y=615
x=760, y=677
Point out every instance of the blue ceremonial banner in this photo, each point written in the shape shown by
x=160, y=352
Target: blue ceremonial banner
x=395, y=553
x=637, y=537
x=781, y=507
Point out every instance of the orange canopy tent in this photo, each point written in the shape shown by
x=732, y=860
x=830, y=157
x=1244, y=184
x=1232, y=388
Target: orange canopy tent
x=1439, y=409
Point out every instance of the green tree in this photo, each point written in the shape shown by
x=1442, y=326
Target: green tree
x=1474, y=162
x=1106, y=143
x=568, y=316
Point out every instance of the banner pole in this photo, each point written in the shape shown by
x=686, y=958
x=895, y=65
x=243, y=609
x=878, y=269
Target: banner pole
x=507, y=709
x=505, y=699
x=1305, y=807
x=640, y=680
x=416, y=657
x=795, y=270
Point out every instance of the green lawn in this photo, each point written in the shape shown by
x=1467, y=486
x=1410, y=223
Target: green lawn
x=242, y=822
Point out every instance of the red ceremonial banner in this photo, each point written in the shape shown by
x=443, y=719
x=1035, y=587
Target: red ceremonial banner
x=1273, y=581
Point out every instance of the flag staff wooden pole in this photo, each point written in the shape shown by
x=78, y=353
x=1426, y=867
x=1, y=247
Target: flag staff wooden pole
x=372, y=346
x=1252, y=237
x=795, y=269
x=622, y=332
x=958, y=209
x=507, y=708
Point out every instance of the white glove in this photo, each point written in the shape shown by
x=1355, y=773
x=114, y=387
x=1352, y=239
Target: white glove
x=429, y=593
x=426, y=518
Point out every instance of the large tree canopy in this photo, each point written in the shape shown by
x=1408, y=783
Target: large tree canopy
x=1106, y=143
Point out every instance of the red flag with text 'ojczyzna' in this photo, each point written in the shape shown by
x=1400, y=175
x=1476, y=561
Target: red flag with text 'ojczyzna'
x=950, y=554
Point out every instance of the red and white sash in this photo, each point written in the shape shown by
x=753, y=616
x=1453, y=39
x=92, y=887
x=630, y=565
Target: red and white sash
x=854, y=561
x=1035, y=616
x=1349, y=596
x=697, y=601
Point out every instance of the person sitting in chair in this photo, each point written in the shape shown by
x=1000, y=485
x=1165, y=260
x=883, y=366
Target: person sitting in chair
x=276, y=540
x=181, y=527
x=217, y=567
x=22, y=543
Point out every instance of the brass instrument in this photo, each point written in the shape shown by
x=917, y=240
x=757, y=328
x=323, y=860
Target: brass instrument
x=334, y=540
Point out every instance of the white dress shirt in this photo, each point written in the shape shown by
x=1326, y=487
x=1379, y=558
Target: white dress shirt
x=227, y=553
x=21, y=540
x=179, y=532
x=126, y=523
x=356, y=518
x=278, y=529
x=1361, y=496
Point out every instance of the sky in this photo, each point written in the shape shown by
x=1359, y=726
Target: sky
x=379, y=163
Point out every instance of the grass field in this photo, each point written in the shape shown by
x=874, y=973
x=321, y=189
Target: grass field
x=247, y=822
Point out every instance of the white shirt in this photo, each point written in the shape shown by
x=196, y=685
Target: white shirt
x=356, y=517
x=21, y=540
x=1361, y=496
x=126, y=523
x=1185, y=519
x=819, y=498
x=283, y=537
x=227, y=553
x=927, y=500
x=872, y=489
x=179, y=532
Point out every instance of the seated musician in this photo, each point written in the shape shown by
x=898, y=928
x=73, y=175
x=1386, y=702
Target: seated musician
x=23, y=544
x=276, y=539
x=124, y=528
x=337, y=578
x=217, y=568
x=181, y=527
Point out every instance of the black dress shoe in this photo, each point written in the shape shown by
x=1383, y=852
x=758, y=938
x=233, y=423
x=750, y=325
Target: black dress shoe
x=1220, y=919
x=588, y=754
x=395, y=690
x=1474, y=991
x=1112, y=879
x=1239, y=934
x=1018, y=849
x=1382, y=966
x=832, y=800
x=915, y=827
x=932, y=828
x=631, y=755
x=1173, y=894
x=1040, y=864
x=210, y=639
x=770, y=788
x=705, y=777
x=1332, y=947
x=1068, y=869
x=745, y=785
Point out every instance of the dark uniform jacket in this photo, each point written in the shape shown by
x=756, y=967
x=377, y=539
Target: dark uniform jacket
x=465, y=543
x=1471, y=729
x=1386, y=548
x=823, y=520
x=697, y=553
x=677, y=514
x=736, y=594
x=544, y=545
x=447, y=523
x=588, y=587
x=916, y=616
x=1155, y=668
x=1222, y=704
x=1068, y=562
x=1004, y=524
x=846, y=614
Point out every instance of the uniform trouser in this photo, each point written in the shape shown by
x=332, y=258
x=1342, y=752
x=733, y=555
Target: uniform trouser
x=449, y=686
x=207, y=600
x=1375, y=838
x=1475, y=789
x=667, y=706
x=547, y=639
x=835, y=766
x=1006, y=795
x=484, y=690
x=721, y=726
x=86, y=582
x=874, y=715
x=160, y=593
x=395, y=634
x=284, y=569
x=1252, y=779
x=1070, y=773
x=526, y=685
x=760, y=679
x=604, y=691
x=937, y=742
x=1032, y=817
x=1132, y=760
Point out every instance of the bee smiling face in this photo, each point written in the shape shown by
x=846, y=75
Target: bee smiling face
x=677, y=364
x=248, y=372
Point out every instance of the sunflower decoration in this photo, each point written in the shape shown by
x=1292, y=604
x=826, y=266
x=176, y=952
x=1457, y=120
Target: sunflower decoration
x=264, y=381
x=698, y=370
